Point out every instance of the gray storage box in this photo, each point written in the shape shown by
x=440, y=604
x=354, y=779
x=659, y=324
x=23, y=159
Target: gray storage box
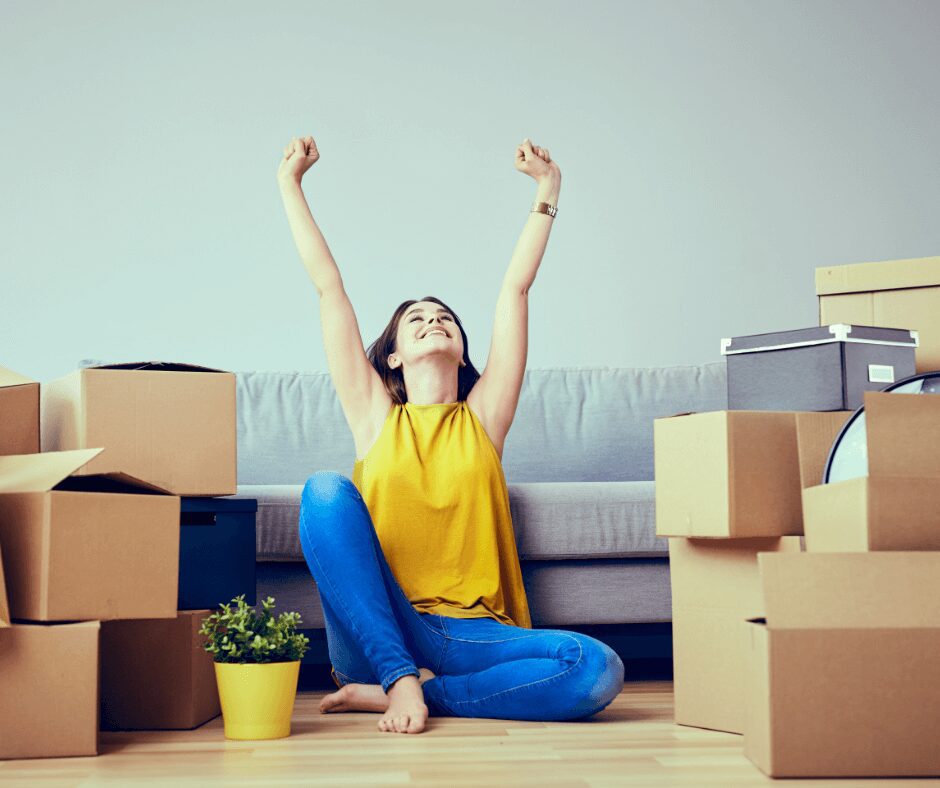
x=816, y=369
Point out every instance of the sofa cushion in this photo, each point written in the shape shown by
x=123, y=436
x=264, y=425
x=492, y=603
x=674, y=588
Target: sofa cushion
x=552, y=520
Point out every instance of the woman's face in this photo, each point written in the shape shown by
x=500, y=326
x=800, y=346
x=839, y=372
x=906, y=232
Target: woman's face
x=425, y=329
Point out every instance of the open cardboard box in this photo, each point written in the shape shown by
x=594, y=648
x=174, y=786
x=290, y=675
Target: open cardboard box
x=167, y=423
x=715, y=588
x=892, y=293
x=843, y=672
x=895, y=507
x=738, y=473
x=75, y=548
x=19, y=404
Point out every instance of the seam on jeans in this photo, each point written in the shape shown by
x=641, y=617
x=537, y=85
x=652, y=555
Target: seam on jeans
x=395, y=676
x=531, y=683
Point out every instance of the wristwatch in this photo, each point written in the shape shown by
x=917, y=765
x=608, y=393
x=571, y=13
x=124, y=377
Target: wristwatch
x=544, y=207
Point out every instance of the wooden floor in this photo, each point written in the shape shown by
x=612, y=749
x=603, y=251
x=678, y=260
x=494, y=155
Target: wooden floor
x=633, y=741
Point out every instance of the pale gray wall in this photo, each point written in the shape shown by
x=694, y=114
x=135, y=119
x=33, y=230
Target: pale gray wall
x=713, y=154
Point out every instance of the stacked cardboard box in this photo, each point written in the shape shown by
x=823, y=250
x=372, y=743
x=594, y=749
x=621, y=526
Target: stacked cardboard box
x=90, y=542
x=843, y=670
x=728, y=486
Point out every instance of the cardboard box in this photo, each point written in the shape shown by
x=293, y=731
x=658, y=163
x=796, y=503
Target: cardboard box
x=843, y=674
x=895, y=507
x=166, y=423
x=19, y=413
x=715, y=588
x=738, y=473
x=4, y=605
x=155, y=674
x=895, y=293
x=49, y=690
x=85, y=547
x=824, y=368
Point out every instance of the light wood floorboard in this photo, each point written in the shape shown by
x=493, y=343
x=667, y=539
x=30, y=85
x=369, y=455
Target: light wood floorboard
x=632, y=742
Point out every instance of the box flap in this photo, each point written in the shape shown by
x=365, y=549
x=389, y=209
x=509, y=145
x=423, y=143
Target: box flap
x=851, y=590
x=156, y=366
x=886, y=275
x=4, y=605
x=41, y=472
x=10, y=378
x=110, y=481
x=903, y=433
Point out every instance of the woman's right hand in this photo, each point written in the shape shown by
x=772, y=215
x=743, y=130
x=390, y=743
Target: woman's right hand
x=299, y=156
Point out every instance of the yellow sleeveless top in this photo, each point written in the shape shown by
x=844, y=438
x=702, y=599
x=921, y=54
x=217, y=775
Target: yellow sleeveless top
x=434, y=486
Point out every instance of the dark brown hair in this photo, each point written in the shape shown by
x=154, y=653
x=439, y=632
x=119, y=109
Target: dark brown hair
x=379, y=351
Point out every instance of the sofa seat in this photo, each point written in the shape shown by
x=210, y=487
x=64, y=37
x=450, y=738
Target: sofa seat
x=552, y=520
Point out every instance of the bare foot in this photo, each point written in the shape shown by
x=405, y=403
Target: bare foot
x=363, y=697
x=407, y=712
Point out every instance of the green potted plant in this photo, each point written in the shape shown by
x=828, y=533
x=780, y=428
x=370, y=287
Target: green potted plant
x=257, y=664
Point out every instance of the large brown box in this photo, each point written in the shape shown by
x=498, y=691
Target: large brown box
x=156, y=674
x=19, y=413
x=85, y=547
x=715, y=588
x=49, y=690
x=895, y=507
x=892, y=293
x=738, y=473
x=166, y=423
x=4, y=605
x=843, y=675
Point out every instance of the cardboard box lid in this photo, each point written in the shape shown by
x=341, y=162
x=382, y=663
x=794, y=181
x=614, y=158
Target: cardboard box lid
x=4, y=604
x=885, y=275
x=10, y=378
x=903, y=433
x=872, y=590
x=819, y=335
x=155, y=366
x=21, y=473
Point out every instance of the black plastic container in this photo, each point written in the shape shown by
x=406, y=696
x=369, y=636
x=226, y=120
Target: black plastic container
x=217, y=551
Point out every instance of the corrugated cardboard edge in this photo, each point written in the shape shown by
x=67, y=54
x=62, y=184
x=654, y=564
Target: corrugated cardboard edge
x=4, y=603
x=10, y=378
x=131, y=366
x=882, y=275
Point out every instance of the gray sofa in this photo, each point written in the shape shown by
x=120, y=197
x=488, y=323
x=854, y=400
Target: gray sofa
x=578, y=461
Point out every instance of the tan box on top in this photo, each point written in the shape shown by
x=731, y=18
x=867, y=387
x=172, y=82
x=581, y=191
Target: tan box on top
x=715, y=589
x=890, y=294
x=78, y=548
x=166, y=423
x=895, y=507
x=49, y=691
x=738, y=473
x=19, y=413
x=843, y=678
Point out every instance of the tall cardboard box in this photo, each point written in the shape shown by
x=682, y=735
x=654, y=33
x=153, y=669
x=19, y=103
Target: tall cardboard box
x=49, y=690
x=738, y=473
x=892, y=293
x=715, y=589
x=19, y=413
x=85, y=547
x=156, y=674
x=843, y=672
x=897, y=505
x=167, y=423
x=4, y=605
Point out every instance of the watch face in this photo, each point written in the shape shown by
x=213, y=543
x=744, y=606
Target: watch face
x=848, y=457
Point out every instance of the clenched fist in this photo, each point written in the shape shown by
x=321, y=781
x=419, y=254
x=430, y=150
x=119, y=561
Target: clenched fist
x=535, y=161
x=299, y=156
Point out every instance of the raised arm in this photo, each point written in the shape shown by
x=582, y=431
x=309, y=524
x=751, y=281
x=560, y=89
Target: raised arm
x=496, y=393
x=355, y=379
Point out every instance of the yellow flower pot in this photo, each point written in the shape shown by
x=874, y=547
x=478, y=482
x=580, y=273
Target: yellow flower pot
x=257, y=698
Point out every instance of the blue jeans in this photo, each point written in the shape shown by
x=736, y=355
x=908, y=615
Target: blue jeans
x=483, y=667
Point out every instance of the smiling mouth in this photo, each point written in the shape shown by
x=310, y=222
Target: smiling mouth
x=435, y=331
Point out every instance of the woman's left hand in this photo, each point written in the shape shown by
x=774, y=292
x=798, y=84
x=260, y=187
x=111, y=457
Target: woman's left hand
x=535, y=161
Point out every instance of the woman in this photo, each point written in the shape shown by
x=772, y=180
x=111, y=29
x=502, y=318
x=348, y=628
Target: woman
x=414, y=557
